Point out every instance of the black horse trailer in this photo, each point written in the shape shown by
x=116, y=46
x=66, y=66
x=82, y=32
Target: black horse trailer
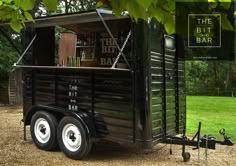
x=111, y=79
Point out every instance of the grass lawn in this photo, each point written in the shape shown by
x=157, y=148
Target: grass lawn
x=214, y=113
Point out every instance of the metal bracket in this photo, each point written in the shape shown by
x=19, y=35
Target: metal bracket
x=114, y=40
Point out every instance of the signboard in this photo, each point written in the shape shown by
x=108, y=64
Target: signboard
x=205, y=30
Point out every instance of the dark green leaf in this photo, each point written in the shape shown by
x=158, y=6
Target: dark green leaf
x=169, y=23
x=28, y=16
x=171, y=5
x=51, y=4
x=144, y=3
x=226, y=5
x=226, y=25
x=157, y=13
x=25, y=4
x=16, y=25
x=118, y=6
x=99, y=4
x=136, y=10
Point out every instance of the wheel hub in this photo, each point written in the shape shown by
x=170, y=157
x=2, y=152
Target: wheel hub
x=71, y=137
x=42, y=130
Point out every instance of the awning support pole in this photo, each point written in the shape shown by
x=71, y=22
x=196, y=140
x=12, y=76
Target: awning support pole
x=30, y=44
x=121, y=50
x=117, y=45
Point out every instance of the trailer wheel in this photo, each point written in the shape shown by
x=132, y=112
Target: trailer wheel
x=72, y=138
x=186, y=156
x=43, y=128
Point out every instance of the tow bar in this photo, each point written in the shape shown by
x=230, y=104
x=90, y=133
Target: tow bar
x=207, y=141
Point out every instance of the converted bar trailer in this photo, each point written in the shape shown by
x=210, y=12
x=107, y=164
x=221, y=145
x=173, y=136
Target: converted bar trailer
x=111, y=79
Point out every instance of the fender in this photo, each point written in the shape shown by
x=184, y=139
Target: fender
x=83, y=116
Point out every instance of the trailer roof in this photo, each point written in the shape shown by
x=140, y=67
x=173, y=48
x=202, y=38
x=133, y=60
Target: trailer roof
x=72, y=18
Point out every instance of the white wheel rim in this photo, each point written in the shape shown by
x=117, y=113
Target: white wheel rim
x=42, y=130
x=71, y=137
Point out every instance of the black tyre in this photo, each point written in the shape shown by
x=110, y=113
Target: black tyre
x=43, y=128
x=72, y=138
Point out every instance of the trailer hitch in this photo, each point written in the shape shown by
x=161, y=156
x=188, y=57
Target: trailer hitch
x=212, y=141
x=227, y=140
x=207, y=141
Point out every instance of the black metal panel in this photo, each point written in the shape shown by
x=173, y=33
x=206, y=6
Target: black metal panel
x=27, y=36
x=156, y=93
x=171, y=83
x=182, y=96
x=44, y=47
x=167, y=86
x=113, y=105
x=44, y=83
x=156, y=80
x=105, y=94
x=27, y=90
x=142, y=112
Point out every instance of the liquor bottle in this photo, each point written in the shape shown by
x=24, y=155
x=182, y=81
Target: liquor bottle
x=69, y=61
x=83, y=56
x=78, y=61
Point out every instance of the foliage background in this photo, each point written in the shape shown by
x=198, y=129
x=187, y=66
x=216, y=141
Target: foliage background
x=202, y=77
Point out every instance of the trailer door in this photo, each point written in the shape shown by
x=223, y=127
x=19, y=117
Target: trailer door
x=174, y=96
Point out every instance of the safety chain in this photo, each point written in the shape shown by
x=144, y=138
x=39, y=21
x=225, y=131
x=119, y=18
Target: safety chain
x=206, y=148
x=198, y=150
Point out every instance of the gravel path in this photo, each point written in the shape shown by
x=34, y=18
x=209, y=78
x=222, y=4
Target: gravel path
x=15, y=151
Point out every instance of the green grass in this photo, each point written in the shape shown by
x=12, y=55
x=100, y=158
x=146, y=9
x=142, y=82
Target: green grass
x=214, y=113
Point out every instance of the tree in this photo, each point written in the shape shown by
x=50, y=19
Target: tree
x=70, y=6
x=196, y=76
x=8, y=55
x=19, y=11
x=162, y=10
x=210, y=77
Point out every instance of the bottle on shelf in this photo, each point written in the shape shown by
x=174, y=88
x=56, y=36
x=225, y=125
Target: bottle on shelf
x=78, y=61
x=83, y=55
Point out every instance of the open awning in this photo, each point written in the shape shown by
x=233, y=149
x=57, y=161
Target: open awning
x=100, y=15
x=74, y=18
